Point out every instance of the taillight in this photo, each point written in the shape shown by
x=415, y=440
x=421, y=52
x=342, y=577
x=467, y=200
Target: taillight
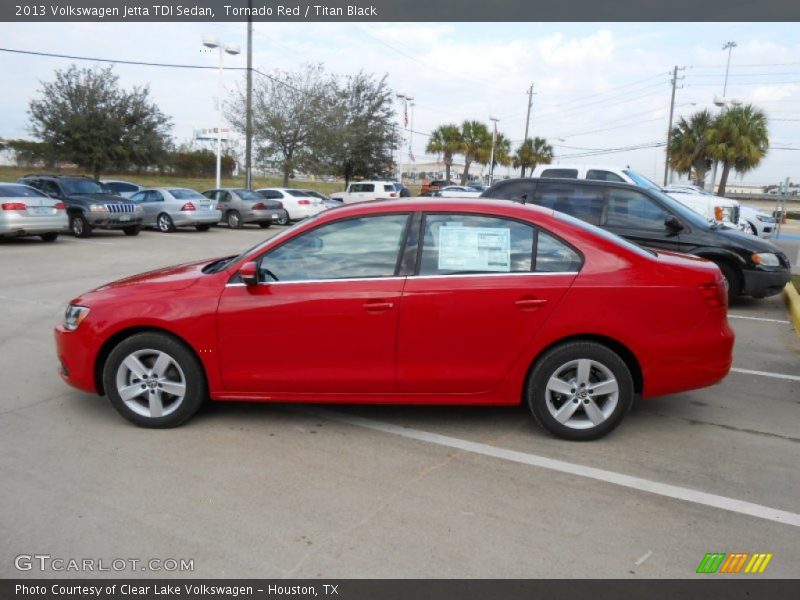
x=260, y=206
x=393, y=195
x=188, y=206
x=14, y=206
x=60, y=206
x=718, y=213
x=715, y=294
x=304, y=201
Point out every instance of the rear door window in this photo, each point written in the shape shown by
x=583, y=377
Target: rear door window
x=560, y=173
x=582, y=201
x=633, y=210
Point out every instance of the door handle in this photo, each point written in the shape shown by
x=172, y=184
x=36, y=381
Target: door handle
x=530, y=303
x=378, y=305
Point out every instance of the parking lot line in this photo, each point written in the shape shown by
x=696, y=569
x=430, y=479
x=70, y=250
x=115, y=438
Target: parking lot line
x=637, y=483
x=757, y=319
x=767, y=374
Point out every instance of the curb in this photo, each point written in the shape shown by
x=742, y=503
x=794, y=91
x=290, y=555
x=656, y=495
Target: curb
x=792, y=299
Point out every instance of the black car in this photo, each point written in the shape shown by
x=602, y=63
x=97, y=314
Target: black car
x=752, y=266
x=89, y=203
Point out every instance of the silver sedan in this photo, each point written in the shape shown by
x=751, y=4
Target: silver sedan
x=168, y=208
x=27, y=211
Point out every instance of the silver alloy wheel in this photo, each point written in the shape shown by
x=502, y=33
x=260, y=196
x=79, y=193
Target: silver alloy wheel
x=164, y=223
x=582, y=394
x=151, y=383
x=77, y=226
x=233, y=220
x=283, y=220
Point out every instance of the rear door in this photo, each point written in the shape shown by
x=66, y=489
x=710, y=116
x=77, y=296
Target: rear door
x=484, y=287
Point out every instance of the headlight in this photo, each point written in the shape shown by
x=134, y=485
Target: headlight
x=74, y=316
x=765, y=218
x=98, y=208
x=766, y=259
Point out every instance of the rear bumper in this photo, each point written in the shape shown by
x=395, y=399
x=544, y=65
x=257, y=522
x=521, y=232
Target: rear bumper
x=18, y=225
x=209, y=217
x=259, y=216
x=761, y=284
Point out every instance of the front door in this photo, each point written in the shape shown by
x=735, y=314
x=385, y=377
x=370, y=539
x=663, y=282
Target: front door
x=323, y=318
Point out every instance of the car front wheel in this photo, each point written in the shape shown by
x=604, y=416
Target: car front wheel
x=234, y=219
x=50, y=236
x=580, y=390
x=164, y=223
x=154, y=380
x=79, y=226
x=133, y=230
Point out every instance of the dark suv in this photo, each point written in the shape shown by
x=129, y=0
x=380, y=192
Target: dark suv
x=89, y=203
x=752, y=266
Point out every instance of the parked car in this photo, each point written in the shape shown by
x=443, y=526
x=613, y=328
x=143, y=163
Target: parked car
x=713, y=208
x=239, y=206
x=326, y=200
x=168, y=208
x=299, y=204
x=25, y=211
x=752, y=266
x=362, y=191
x=343, y=308
x=756, y=221
x=458, y=191
x=89, y=205
x=434, y=185
x=126, y=189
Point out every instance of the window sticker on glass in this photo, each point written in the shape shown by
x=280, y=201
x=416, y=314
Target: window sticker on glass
x=474, y=249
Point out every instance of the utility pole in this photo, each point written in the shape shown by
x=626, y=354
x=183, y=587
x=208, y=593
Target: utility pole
x=671, y=112
x=248, y=127
x=528, y=118
x=729, y=46
x=491, y=158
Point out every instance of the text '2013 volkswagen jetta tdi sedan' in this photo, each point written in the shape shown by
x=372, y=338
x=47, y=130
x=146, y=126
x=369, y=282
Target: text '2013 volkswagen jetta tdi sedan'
x=422, y=301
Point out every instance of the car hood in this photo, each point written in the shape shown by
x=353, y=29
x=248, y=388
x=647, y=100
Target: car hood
x=168, y=279
x=99, y=198
x=747, y=241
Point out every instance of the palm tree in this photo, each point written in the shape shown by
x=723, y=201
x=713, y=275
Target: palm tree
x=445, y=141
x=476, y=143
x=739, y=139
x=532, y=152
x=688, y=146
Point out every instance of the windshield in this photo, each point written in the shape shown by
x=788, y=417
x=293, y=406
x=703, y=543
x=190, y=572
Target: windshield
x=19, y=191
x=247, y=194
x=186, y=194
x=82, y=186
x=641, y=180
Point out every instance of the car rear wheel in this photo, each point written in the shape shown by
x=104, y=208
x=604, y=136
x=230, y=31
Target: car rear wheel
x=154, y=381
x=164, y=223
x=204, y=227
x=580, y=390
x=234, y=219
x=50, y=236
x=283, y=219
x=79, y=226
x=266, y=225
x=132, y=230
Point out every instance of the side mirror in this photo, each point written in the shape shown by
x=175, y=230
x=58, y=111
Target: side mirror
x=673, y=223
x=249, y=273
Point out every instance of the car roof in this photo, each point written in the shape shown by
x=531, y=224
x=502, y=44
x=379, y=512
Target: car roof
x=434, y=204
x=579, y=182
x=583, y=166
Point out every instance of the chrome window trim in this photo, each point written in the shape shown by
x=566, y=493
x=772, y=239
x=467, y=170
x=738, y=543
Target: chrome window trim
x=468, y=275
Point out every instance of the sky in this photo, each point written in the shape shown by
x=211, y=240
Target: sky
x=598, y=86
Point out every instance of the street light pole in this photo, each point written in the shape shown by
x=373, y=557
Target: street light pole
x=405, y=99
x=491, y=159
x=212, y=42
x=729, y=46
x=248, y=128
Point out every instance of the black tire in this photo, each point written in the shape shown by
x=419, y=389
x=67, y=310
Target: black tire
x=132, y=230
x=50, y=236
x=164, y=223
x=283, y=220
x=203, y=227
x=234, y=219
x=753, y=229
x=578, y=425
x=190, y=373
x=733, y=278
x=79, y=226
x=266, y=225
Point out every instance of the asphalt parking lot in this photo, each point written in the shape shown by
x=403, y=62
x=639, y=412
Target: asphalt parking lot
x=250, y=490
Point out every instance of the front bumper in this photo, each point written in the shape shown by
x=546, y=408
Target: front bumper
x=760, y=283
x=112, y=220
x=76, y=358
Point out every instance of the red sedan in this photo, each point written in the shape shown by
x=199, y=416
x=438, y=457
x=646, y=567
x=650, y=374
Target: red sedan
x=423, y=301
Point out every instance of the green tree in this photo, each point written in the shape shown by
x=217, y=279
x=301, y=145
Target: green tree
x=532, y=152
x=688, y=146
x=739, y=139
x=86, y=118
x=476, y=143
x=445, y=141
x=289, y=112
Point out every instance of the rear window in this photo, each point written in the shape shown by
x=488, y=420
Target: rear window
x=297, y=193
x=185, y=194
x=388, y=188
x=619, y=241
x=20, y=191
x=560, y=173
x=119, y=186
x=248, y=194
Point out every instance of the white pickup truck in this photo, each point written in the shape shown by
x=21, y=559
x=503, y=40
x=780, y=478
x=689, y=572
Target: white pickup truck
x=362, y=191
